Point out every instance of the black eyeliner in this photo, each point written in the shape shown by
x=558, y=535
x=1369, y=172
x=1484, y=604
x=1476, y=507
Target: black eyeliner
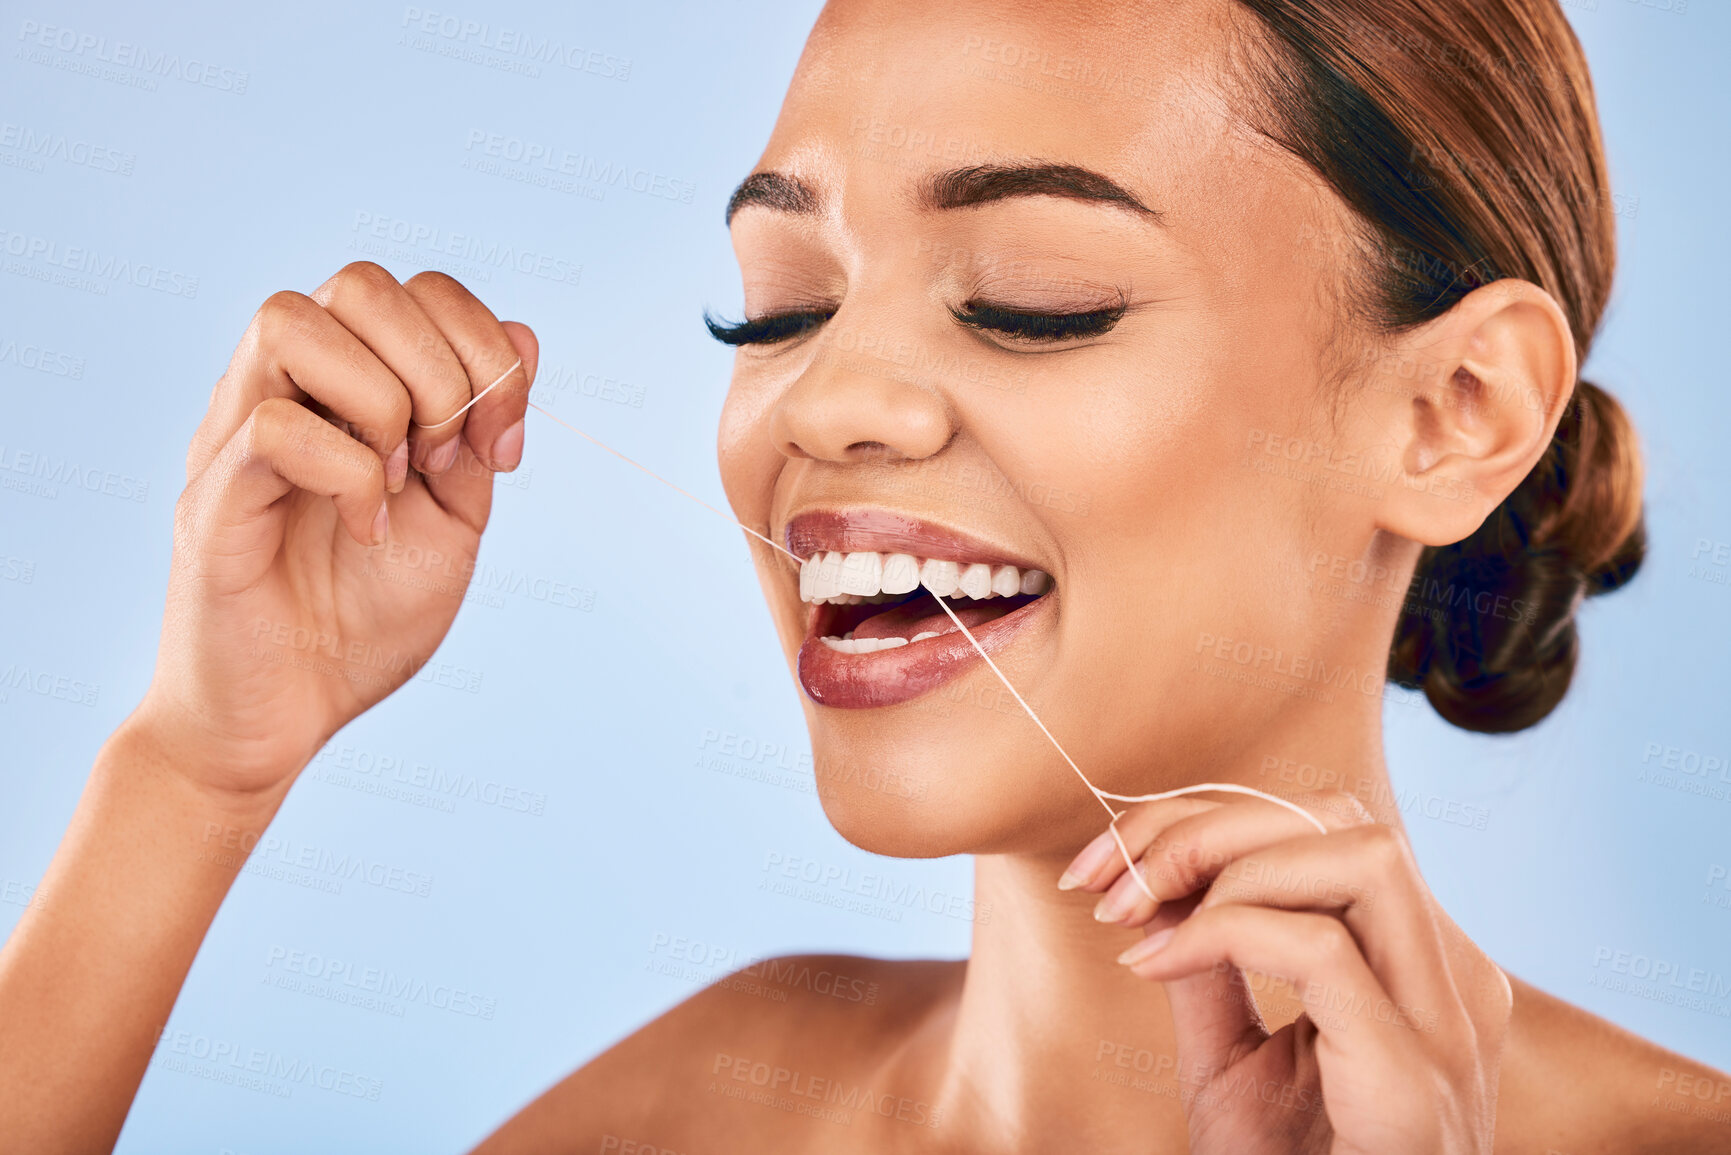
x=1030, y=325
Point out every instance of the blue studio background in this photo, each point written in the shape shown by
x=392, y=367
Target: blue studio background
x=587, y=789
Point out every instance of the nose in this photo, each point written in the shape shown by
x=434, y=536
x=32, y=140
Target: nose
x=854, y=402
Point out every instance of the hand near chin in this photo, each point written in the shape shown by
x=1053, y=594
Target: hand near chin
x=1404, y=1018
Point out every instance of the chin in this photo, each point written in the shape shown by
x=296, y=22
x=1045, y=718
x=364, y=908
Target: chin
x=946, y=773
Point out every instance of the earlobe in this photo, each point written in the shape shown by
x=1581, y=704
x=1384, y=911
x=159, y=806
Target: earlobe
x=1506, y=370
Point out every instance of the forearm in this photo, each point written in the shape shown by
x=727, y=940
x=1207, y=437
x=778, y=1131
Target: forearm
x=92, y=970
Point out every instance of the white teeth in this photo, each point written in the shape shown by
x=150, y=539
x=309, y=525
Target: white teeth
x=940, y=576
x=834, y=578
x=920, y=637
x=861, y=573
x=901, y=573
x=853, y=645
x=976, y=581
x=826, y=582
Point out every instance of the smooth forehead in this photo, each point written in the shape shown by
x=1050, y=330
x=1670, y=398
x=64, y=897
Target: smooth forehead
x=888, y=92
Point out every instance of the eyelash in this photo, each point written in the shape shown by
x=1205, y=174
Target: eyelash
x=767, y=330
x=1021, y=324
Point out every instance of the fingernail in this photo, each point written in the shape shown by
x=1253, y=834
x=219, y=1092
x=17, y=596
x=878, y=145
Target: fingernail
x=1088, y=863
x=508, y=449
x=1120, y=899
x=397, y=467
x=381, y=523
x=440, y=459
x=1148, y=947
x=1117, y=904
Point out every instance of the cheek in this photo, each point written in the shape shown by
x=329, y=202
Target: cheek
x=745, y=453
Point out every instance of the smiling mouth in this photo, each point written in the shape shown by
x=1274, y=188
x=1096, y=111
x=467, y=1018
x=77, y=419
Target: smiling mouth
x=875, y=633
x=869, y=602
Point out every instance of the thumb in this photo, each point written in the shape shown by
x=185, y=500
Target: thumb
x=527, y=347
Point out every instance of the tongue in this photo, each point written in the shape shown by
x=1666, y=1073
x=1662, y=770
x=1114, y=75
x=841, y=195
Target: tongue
x=922, y=615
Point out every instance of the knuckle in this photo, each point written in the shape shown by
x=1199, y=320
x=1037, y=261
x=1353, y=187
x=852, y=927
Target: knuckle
x=359, y=281
x=284, y=318
x=1328, y=938
x=436, y=284
x=269, y=426
x=1384, y=845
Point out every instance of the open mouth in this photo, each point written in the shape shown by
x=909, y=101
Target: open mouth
x=875, y=634
x=867, y=602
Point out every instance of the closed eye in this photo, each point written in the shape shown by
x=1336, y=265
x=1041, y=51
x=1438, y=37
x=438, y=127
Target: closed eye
x=1037, y=326
x=767, y=330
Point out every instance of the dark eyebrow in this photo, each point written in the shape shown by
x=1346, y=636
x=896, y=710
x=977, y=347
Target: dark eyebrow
x=981, y=183
x=775, y=190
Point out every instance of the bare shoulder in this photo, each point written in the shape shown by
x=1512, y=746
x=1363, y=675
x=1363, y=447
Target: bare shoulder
x=1575, y=1084
x=737, y=1064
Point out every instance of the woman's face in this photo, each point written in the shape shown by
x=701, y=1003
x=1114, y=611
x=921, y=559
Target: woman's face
x=933, y=407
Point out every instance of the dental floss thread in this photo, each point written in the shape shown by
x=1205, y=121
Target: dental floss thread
x=1104, y=798
x=515, y=365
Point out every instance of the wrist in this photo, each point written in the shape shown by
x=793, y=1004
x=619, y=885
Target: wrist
x=151, y=750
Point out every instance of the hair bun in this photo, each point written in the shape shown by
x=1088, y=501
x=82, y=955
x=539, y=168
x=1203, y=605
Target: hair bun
x=1488, y=629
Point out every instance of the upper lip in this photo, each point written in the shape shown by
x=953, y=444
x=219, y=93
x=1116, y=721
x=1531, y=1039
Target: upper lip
x=877, y=530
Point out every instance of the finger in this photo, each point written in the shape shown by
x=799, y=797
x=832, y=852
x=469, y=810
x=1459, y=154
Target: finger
x=1313, y=958
x=1100, y=862
x=281, y=447
x=1214, y=1015
x=466, y=489
x=295, y=350
x=493, y=427
x=369, y=302
x=1187, y=854
x=1368, y=878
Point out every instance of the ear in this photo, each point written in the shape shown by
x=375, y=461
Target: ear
x=1501, y=369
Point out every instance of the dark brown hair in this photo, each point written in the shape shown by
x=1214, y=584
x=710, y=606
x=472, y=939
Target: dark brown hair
x=1463, y=135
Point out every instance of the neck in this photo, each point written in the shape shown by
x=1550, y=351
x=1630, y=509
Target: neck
x=1054, y=1042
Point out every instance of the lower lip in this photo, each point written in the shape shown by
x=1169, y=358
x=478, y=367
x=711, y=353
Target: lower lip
x=889, y=677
